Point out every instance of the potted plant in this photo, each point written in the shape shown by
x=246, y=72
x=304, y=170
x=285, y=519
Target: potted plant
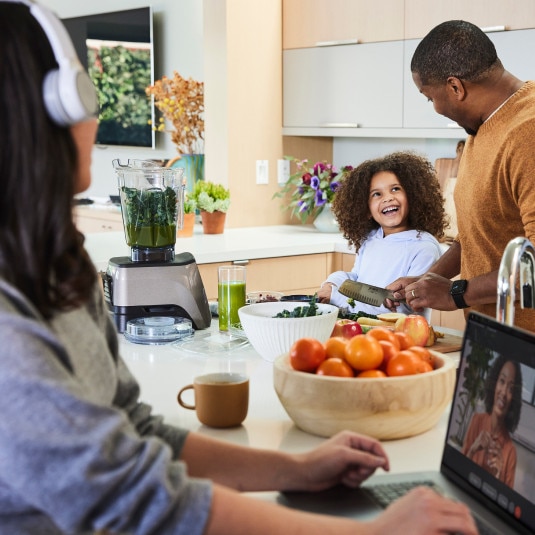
x=311, y=189
x=189, y=217
x=213, y=201
x=181, y=102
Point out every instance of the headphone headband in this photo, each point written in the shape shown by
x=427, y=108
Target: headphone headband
x=68, y=92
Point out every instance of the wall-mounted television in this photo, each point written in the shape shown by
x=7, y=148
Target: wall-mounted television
x=117, y=50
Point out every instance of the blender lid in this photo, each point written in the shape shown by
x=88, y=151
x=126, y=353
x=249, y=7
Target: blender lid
x=158, y=330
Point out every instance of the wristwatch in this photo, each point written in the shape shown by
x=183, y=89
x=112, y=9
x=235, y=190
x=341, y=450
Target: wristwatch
x=457, y=291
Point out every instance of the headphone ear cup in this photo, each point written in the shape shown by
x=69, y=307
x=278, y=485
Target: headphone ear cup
x=69, y=95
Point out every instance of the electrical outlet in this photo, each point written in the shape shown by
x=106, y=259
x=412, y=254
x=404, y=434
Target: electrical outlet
x=283, y=171
x=262, y=172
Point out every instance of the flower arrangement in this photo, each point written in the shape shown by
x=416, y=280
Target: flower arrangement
x=210, y=197
x=181, y=102
x=311, y=188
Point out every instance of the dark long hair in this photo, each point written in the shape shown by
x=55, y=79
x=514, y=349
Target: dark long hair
x=513, y=414
x=41, y=251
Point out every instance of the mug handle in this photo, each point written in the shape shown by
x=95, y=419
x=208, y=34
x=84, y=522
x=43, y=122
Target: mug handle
x=181, y=401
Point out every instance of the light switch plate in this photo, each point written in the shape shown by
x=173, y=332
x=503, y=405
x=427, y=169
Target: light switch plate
x=283, y=171
x=262, y=172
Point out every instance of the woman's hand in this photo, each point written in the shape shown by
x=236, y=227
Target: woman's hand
x=480, y=443
x=424, y=512
x=347, y=458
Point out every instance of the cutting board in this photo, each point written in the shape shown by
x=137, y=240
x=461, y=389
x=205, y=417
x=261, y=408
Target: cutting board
x=447, y=344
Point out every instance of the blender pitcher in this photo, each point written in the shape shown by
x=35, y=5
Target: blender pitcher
x=152, y=205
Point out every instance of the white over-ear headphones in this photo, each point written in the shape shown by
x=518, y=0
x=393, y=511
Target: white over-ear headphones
x=68, y=92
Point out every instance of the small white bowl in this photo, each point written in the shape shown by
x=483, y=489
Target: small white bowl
x=272, y=336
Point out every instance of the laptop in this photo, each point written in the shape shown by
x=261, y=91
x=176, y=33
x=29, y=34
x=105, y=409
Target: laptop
x=502, y=499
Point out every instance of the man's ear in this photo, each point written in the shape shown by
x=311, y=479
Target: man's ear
x=456, y=87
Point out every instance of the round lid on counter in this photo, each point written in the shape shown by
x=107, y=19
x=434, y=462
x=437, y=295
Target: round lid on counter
x=158, y=330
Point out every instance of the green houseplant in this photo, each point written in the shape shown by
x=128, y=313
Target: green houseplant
x=213, y=201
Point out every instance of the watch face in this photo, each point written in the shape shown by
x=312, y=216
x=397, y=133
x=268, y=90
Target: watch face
x=458, y=287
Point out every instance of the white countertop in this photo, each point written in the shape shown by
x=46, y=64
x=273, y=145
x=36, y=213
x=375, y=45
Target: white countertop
x=163, y=370
x=234, y=244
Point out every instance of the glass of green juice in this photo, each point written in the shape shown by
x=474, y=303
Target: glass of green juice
x=230, y=295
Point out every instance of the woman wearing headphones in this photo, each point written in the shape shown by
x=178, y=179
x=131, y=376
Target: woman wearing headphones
x=78, y=452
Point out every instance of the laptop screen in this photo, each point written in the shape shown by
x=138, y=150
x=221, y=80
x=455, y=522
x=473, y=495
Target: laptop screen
x=490, y=446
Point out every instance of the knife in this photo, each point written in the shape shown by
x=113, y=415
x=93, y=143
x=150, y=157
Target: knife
x=366, y=293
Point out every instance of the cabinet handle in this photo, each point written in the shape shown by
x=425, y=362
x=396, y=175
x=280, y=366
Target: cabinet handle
x=338, y=43
x=240, y=262
x=339, y=125
x=489, y=29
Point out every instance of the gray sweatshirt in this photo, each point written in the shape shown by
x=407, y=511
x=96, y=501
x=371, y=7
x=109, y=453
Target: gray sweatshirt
x=78, y=451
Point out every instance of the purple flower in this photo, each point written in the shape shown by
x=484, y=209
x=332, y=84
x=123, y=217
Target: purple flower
x=320, y=199
x=303, y=206
x=334, y=186
x=315, y=183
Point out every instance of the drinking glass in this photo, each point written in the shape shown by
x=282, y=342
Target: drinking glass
x=230, y=295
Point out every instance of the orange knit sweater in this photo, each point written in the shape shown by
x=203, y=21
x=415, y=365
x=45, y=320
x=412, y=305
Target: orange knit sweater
x=495, y=191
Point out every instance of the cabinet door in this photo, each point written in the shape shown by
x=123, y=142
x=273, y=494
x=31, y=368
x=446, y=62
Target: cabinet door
x=352, y=85
x=510, y=46
x=422, y=15
x=289, y=274
x=307, y=22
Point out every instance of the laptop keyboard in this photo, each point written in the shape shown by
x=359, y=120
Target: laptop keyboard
x=385, y=494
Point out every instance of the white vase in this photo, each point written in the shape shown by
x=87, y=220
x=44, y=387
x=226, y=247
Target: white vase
x=325, y=221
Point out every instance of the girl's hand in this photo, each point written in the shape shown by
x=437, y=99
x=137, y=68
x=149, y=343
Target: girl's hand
x=324, y=293
x=347, y=458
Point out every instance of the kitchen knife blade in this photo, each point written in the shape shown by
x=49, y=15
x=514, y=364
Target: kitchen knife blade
x=366, y=293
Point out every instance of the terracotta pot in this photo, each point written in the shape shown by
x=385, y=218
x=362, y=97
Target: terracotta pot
x=187, y=228
x=213, y=222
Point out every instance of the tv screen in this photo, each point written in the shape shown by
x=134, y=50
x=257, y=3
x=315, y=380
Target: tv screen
x=117, y=50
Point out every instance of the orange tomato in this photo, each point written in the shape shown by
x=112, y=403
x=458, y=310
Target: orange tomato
x=384, y=333
x=389, y=351
x=405, y=340
x=424, y=354
x=372, y=373
x=335, y=346
x=306, y=354
x=404, y=363
x=363, y=352
x=336, y=367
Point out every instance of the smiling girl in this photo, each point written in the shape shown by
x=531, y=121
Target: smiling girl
x=391, y=210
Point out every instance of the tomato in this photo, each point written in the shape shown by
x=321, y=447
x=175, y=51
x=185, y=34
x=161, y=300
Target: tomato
x=404, y=363
x=405, y=340
x=363, y=352
x=424, y=354
x=384, y=333
x=335, y=346
x=389, y=351
x=335, y=366
x=306, y=354
x=372, y=373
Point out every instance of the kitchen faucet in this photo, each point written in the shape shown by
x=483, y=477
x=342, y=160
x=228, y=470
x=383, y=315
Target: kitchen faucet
x=519, y=256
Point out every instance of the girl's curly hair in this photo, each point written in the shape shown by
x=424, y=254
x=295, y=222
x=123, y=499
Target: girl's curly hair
x=419, y=180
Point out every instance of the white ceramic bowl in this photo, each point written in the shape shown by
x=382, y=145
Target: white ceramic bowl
x=384, y=408
x=272, y=337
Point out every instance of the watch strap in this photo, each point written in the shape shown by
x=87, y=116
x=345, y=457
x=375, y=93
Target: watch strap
x=457, y=292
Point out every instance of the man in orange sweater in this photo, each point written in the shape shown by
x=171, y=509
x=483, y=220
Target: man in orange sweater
x=456, y=67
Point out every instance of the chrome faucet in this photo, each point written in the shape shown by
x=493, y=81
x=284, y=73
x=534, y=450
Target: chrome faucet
x=519, y=256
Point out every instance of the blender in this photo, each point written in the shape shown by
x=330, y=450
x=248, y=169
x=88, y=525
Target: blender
x=153, y=282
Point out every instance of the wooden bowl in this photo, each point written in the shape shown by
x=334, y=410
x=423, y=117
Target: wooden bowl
x=384, y=408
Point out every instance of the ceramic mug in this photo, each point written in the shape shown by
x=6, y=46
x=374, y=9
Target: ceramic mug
x=221, y=399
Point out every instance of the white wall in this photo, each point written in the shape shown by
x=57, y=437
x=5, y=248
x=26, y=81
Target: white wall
x=178, y=29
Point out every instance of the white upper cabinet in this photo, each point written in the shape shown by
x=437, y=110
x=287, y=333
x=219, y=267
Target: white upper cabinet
x=350, y=86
